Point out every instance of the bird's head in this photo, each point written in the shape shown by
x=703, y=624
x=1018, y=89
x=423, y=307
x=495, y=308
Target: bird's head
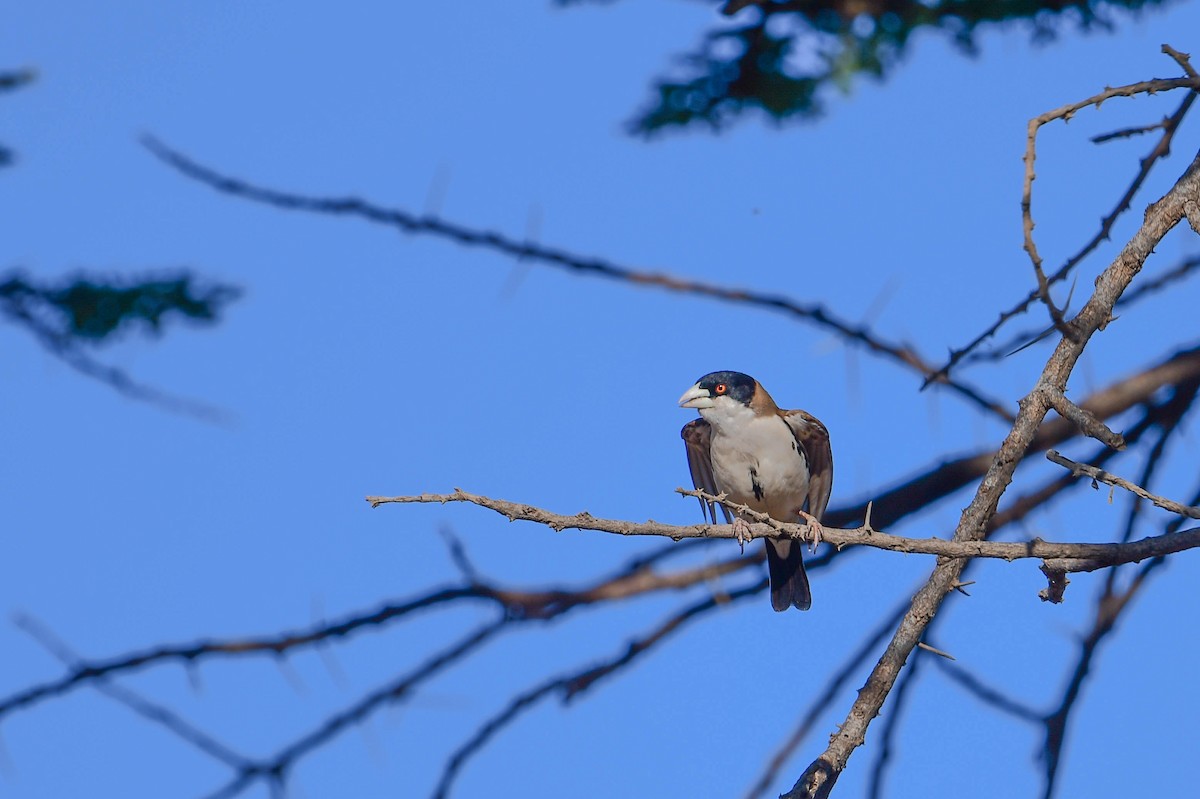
x=719, y=394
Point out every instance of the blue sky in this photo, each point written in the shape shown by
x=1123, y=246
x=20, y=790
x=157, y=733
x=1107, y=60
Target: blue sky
x=360, y=361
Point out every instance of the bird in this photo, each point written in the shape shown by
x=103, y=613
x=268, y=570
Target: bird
x=775, y=461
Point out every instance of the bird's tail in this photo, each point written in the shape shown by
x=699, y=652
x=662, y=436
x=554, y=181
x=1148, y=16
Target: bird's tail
x=789, y=583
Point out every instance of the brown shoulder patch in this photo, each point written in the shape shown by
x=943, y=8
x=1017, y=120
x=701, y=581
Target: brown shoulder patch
x=761, y=403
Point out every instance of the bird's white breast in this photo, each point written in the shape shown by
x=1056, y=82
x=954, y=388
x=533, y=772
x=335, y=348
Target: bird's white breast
x=749, y=450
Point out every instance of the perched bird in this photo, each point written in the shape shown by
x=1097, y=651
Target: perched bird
x=774, y=461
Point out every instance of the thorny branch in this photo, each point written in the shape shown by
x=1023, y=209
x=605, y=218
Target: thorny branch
x=1160, y=218
x=1078, y=469
x=1031, y=433
x=1145, y=288
x=1106, y=554
x=1160, y=150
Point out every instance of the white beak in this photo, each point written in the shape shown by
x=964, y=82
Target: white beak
x=696, y=397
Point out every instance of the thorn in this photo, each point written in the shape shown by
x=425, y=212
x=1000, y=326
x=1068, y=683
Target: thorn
x=929, y=648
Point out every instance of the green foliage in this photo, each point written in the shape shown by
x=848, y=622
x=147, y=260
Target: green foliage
x=787, y=52
x=91, y=310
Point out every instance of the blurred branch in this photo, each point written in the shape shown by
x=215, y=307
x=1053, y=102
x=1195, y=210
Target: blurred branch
x=891, y=723
x=86, y=310
x=515, y=605
x=525, y=250
x=571, y=685
x=11, y=80
x=1160, y=150
x=275, y=768
x=1110, y=603
x=823, y=700
x=143, y=707
x=988, y=695
x=1108, y=610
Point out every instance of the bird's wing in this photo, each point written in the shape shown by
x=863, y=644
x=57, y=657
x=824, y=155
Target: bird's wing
x=697, y=435
x=813, y=438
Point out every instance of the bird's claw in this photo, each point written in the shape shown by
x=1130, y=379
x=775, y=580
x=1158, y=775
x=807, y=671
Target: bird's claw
x=741, y=532
x=815, y=531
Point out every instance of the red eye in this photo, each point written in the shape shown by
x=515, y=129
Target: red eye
x=721, y=388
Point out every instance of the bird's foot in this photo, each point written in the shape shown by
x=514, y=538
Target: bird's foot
x=815, y=531
x=741, y=532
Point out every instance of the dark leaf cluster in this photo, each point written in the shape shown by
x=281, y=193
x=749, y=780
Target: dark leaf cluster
x=783, y=56
x=91, y=309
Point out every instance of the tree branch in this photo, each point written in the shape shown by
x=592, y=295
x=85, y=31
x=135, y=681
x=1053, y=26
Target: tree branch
x=1082, y=469
x=575, y=683
x=766, y=527
x=1160, y=150
x=973, y=526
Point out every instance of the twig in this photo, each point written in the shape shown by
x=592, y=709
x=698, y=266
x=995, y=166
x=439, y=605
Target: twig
x=1125, y=133
x=934, y=650
x=458, y=554
x=1082, y=469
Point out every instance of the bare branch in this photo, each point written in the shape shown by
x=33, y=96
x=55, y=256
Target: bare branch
x=1082, y=469
x=988, y=695
x=1108, y=609
x=890, y=724
x=973, y=526
x=823, y=700
x=1143, y=289
x=275, y=768
x=1161, y=149
x=143, y=707
x=515, y=605
x=1084, y=420
x=767, y=527
x=1125, y=133
x=573, y=684
x=1109, y=606
x=70, y=353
